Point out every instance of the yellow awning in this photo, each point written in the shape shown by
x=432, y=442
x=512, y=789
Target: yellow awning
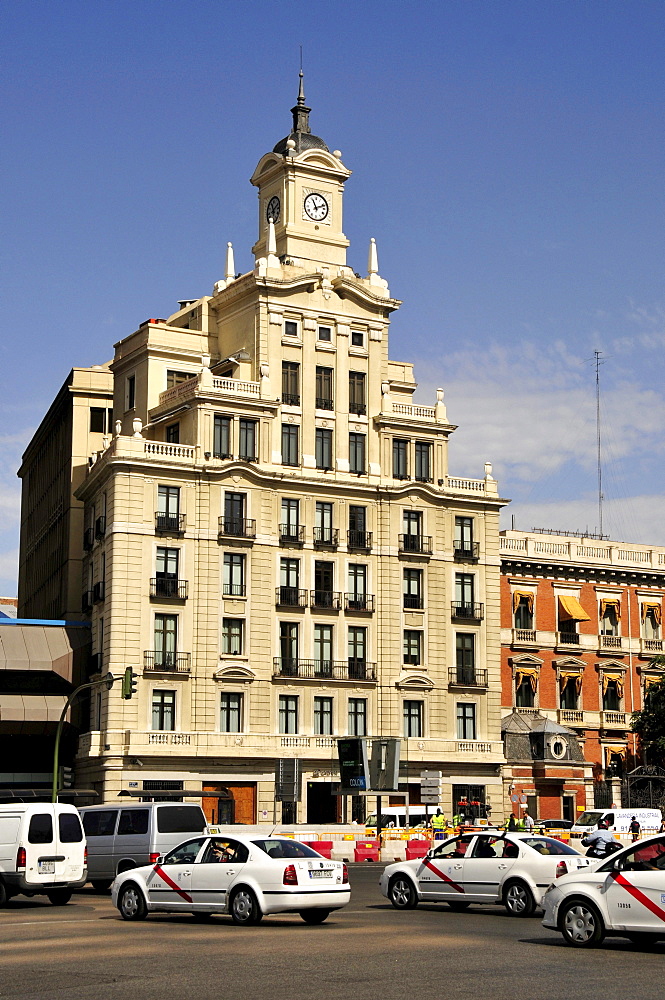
x=531, y=673
x=614, y=752
x=657, y=612
x=610, y=675
x=572, y=609
x=610, y=602
x=569, y=675
x=517, y=599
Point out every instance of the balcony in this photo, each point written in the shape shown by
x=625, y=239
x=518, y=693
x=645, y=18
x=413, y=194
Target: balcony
x=234, y=590
x=466, y=551
x=613, y=720
x=290, y=597
x=467, y=677
x=326, y=538
x=98, y=592
x=467, y=612
x=570, y=717
x=100, y=527
x=291, y=398
x=335, y=670
x=326, y=600
x=413, y=602
x=524, y=637
x=359, y=409
x=609, y=643
x=359, y=541
x=567, y=639
x=173, y=663
x=416, y=544
x=169, y=524
x=649, y=646
x=363, y=603
x=291, y=534
x=237, y=527
x=324, y=403
x=86, y=600
x=169, y=589
x=88, y=539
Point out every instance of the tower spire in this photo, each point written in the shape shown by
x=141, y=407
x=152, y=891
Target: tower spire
x=300, y=111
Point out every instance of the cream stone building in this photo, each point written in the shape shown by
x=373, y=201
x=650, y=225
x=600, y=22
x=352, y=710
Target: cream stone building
x=285, y=558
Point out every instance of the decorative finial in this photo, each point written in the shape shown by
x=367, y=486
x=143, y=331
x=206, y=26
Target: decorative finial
x=301, y=112
x=230, y=264
x=372, y=258
x=301, y=88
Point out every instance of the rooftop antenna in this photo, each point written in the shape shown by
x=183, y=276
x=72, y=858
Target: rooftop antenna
x=599, y=362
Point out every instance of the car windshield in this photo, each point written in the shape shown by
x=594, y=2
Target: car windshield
x=546, y=845
x=589, y=819
x=285, y=849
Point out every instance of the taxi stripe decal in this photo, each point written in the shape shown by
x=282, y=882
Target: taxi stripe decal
x=638, y=895
x=171, y=884
x=441, y=875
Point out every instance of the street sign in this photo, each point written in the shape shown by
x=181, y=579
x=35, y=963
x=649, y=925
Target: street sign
x=430, y=787
x=514, y=798
x=353, y=766
x=384, y=765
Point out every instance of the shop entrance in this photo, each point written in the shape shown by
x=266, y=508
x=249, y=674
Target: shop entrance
x=322, y=805
x=229, y=804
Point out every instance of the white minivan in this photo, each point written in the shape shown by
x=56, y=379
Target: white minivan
x=42, y=851
x=619, y=820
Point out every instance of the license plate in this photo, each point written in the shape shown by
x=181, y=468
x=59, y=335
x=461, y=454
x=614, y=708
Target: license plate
x=46, y=867
x=321, y=873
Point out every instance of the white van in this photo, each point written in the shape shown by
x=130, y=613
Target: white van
x=42, y=851
x=395, y=816
x=128, y=836
x=619, y=820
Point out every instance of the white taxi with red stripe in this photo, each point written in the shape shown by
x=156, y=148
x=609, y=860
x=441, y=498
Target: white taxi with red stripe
x=623, y=895
x=245, y=877
x=489, y=867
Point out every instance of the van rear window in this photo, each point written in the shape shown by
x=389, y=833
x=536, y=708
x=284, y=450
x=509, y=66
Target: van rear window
x=40, y=830
x=100, y=824
x=180, y=819
x=69, y=828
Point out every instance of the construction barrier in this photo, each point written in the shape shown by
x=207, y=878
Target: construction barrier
x=367, y=850
x=324, y=847
x=417, y=849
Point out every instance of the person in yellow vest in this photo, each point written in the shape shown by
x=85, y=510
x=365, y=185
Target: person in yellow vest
x=438, y=824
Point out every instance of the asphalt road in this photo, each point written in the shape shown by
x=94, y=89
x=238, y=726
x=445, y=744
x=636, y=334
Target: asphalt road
x=85, y=951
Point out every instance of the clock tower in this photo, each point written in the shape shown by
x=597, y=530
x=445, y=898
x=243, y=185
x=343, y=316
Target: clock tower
x=301, y=188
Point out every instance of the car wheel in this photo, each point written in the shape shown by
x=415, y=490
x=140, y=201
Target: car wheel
x=4, y=898
x=402, y=893
x=314, y=916
x=455, y=905
x=202, y=918
x=59, y=897
x=581, y=924
x=131, y=903
x=518, y=899
x=245, y=909
x=101, y=884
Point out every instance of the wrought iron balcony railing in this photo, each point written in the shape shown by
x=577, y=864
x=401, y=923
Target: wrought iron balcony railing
x=291, y=534
x=359, y=602
x=325, y=599
x=237, y=527
x=420, y=544
x=466, y=551
x=359, y=540
x=326, y=538
x=170, y=524
x=290, y=597
x=470, y=612
x=167, y=587
x=157, y=659
x=336, y=670
x=467, y=677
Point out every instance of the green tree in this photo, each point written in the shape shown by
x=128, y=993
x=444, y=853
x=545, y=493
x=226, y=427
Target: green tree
x=649, y=724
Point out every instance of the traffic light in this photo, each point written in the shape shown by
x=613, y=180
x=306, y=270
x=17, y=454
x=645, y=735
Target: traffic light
x=129, y=682
x=66, y=777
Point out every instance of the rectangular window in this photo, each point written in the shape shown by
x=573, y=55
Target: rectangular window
x=290, y=383
x=288, y=647
x=232, y=635
x=289, y=582
x=464, y=592
x=324, y=388
x=231, y=713
x=413, y=588
x=323, y=708
x=168, y=501
x=651, y=616
x=463, y=537
x=323, y=448
x=569, y=684
x=323, y=530
x=465, y=657
x=323, y=584
x=525, y=689
x=357, y=655
x=130, y=392
x=357, y=586
x=423, y=462
x=97, y=420
x=323, y=640
x=413, y=718
x=166, y=572
x=400, y=459
x=234, y=574
x=357, y=717
x=289, y=527
x=234, y=513
x=175, y=378
x=357, y=519
x=466, y=721
x=357, y=453
x=357, y=402
x=290, y=434
x=288, y=714
x=163, y=710
x=172, y=435
x=612, y=694
x=357, y=338
x=324, y=333
x=413, y=640
x=523, y=612
x=609, y=620
x=221, y=445
x=166, y=641
x=247, y=441
x=412, y=525
x=290, y=328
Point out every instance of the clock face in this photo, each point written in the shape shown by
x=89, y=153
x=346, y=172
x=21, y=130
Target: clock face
x=272, y=211
x=316, y=207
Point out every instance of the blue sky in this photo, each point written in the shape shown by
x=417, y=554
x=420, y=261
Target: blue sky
x=507, y=156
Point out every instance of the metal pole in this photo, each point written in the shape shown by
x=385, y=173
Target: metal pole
x=378, y=820
x=108, y=681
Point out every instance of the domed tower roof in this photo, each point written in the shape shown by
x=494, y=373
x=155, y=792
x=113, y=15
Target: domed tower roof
x=301, y=132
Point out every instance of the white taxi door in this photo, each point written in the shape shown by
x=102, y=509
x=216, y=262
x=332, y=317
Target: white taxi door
x=221, y=863
x=486, y=865
x=635, y=888
x=441, y=874
x=169, y=883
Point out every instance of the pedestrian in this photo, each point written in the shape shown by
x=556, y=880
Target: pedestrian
x=512, y=823
x=662, y=827
x=528, y=821
x=634, y=828
x=438, y=824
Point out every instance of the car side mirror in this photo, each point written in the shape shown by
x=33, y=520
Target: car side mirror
x=160, y=859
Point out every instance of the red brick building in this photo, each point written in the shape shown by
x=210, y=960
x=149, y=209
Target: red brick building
x=581, y=623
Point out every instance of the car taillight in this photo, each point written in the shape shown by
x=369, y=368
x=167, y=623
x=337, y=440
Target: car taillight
x=345, y=873
x=290, y=876
x=561, y=869
x=153, y=859
x=85, y=856
x=20, y=857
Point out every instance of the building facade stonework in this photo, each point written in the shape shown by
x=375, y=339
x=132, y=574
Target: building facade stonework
x=282, y=555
